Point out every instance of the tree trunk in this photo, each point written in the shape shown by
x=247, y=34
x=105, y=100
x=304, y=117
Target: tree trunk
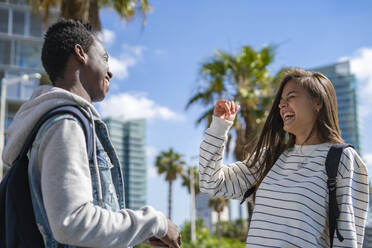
x=75, y=9
x=94, y=15
x=170, y=200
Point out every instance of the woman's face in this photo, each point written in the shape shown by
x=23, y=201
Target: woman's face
x=297, y=109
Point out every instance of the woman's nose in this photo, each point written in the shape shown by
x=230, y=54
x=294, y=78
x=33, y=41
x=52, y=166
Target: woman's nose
x=282, y=103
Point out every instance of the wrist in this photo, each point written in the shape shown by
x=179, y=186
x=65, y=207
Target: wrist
x=220, y=126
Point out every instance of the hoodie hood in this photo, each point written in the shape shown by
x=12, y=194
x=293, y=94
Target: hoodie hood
x=42, y=100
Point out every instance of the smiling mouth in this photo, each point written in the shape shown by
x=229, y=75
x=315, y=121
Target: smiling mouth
x=107, y=81
x=288, y=116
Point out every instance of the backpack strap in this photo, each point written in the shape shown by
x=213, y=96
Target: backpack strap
x=332, y=162
x=248, y=193
x=65, y=109
x=28, y=229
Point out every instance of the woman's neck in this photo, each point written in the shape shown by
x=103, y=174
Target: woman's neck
x=304, y=139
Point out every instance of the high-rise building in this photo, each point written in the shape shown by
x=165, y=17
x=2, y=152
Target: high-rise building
x=21, y=39
x=129, y=140
x=207, y=214
x=345, y=85
x=367, y=243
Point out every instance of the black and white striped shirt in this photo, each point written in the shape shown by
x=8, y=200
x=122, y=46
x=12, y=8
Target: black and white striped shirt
x=291, y=207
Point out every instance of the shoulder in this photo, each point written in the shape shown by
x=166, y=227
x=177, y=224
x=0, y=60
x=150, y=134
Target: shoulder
x=351, y=164
x=63, y=126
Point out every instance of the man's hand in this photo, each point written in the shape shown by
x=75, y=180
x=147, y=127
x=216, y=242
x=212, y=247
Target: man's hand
x=156, y=242
x=226, y=109
x=173, y=237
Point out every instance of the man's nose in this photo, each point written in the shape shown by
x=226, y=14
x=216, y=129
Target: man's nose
x=109, y=73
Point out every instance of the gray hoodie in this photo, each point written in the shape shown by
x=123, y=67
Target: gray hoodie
x=66, y=182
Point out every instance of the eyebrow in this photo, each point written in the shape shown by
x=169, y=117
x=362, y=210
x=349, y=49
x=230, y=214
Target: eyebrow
x=292, y=91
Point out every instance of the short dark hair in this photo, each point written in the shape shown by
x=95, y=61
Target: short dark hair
x=59, y=43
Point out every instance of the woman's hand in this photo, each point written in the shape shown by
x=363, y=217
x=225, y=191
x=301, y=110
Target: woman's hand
x=226, y=109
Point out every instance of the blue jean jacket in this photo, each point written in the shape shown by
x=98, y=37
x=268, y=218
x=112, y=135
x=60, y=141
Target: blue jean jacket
x=112, y=184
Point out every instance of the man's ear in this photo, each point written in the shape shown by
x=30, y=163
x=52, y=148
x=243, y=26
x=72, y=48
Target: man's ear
x=80, y=55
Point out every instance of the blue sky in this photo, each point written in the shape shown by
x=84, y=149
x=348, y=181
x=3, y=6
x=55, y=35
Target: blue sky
x=156, y=68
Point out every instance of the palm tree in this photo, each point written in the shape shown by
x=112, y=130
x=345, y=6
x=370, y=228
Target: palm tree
x=243, y=78
x=186, y=180
x=218, y=204
x=170, y=164
x=88, y=10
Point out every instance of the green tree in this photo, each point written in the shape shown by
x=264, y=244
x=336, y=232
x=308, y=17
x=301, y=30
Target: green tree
x=205, y=240
x=237, y=229
x=170, y=163
x=186, y=180
x=218, y=204
x=244, y=78
x=88, y=10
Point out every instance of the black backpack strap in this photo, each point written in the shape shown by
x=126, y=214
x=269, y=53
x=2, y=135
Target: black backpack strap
x=248, y=193
x=23, y=206
x=332, y=162
x=65, y=109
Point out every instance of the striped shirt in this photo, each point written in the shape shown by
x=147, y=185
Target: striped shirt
x=291, y=207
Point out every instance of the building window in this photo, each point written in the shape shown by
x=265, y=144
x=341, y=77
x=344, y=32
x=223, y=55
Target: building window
x=20, y=2
x=28, y=54
x=35, y=25
x=18, y=22
x=4, y=20
x=5, y=52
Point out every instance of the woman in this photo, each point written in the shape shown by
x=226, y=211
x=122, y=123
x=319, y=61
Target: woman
x=287, y=166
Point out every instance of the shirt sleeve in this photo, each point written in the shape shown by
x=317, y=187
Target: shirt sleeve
x=67, y=195
x=352, y=198
x=215, y=178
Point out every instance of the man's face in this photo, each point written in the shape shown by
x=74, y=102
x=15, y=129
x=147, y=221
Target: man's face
x=97, y=74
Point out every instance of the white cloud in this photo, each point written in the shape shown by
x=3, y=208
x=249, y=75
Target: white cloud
x=361, y=66
x=134, y=106
x=119, y=67
x=129, y=56
x=107, y=37
x=368, y=159
x=134, y=50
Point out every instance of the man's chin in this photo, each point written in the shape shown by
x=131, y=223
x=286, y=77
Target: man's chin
x=99, y=98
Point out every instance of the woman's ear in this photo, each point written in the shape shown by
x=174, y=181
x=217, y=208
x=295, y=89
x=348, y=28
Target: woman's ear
x=317, y=104
x=79, y=53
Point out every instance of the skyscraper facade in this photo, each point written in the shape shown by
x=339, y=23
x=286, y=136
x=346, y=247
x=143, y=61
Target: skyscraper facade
x=21, y=39
x=207, y=214
x=345, y=85
x=129, y=140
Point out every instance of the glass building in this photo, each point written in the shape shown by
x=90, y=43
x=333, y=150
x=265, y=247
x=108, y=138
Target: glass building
x=207, y=214
x=367, y=243
x=345, y=85
x=21, y=39
x=129, y=140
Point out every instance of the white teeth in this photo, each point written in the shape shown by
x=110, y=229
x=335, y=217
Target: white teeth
x=288, y=116
x=107, y=82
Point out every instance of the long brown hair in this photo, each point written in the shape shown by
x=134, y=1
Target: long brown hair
x=273, y=140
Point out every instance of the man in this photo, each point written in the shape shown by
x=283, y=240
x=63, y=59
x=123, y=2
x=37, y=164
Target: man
x=78, y=202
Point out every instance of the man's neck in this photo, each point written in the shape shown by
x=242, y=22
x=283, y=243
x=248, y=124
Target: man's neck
x=73, y=86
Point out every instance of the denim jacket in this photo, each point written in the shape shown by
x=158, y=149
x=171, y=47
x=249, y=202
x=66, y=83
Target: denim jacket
x=111, y=178
x=72, y=205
